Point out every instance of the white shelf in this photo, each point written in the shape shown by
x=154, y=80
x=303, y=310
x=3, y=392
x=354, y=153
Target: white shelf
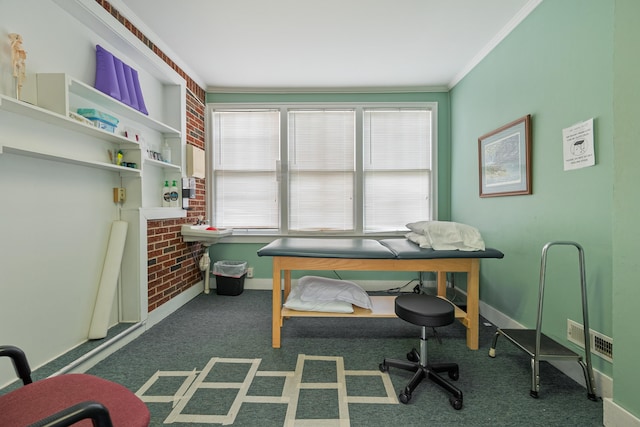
x=75, y=161
x=33, y=111
x=59, y=93
x=163, y=165
x=89, y=93
x=163, y=213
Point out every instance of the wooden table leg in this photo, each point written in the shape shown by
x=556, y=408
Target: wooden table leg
x=276, y=311
x=471, y=320
x=287, y=284
x=442, y=284
x=473, y=311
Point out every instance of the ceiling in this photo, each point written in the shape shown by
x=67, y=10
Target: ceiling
x=262, y=45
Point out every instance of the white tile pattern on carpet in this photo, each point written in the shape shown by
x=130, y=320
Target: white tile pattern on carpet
x=195, y=380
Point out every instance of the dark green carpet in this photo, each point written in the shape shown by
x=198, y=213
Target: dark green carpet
x=496, y=391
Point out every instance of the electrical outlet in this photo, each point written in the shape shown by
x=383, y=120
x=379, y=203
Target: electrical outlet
x=250, y=272
x=119, y=195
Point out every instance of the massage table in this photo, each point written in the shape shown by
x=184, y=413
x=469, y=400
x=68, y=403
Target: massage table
x=360, y=254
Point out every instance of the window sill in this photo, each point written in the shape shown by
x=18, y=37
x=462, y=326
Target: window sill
x=241, y=237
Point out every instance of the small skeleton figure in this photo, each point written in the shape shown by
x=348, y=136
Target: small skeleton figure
x=18, y=61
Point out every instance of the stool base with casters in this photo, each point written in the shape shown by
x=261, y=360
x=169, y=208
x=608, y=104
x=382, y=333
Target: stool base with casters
x=426, y=311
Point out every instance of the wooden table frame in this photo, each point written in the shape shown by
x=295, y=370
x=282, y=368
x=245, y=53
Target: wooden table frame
x=383, y=306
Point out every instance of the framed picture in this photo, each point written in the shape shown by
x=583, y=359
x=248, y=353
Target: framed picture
x=504, y=157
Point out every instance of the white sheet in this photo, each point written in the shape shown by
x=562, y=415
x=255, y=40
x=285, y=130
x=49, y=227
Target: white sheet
x=445, y=235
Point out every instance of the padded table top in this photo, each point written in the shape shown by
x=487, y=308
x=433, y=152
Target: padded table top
x=326, y=248
x=359, y=248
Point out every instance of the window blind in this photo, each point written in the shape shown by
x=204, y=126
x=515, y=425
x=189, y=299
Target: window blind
x=321, y=169
x=397, y=167
x=333, y=169
x=246, y=146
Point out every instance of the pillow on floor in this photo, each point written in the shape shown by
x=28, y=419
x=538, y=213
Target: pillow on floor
x=294, y=302
x=314, y=288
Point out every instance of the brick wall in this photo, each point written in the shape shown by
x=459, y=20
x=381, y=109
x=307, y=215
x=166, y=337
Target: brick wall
x=173, y=264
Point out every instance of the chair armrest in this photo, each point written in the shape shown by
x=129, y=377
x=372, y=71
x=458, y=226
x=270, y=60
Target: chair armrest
x=20, y=363
x=95, y=411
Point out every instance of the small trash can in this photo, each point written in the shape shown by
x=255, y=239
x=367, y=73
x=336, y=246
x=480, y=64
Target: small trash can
x=230, y=277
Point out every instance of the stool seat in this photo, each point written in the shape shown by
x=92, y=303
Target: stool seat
x=425, y=310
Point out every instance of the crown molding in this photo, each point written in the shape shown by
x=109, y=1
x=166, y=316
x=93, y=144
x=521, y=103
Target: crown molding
x=493, y=43
x=294, y=90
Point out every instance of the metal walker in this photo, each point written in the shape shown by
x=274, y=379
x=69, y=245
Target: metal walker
x=539, y=346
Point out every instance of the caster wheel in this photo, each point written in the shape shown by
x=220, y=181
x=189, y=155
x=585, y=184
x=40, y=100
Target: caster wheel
x=454, y=374
x=456, y=403
x=404, y=397
x=492, y=352
x=383, y=367
x=413, y=356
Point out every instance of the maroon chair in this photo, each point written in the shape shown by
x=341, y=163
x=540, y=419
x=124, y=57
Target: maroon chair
x=67, y=399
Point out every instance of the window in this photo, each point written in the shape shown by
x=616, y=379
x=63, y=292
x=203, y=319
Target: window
x=321, y=170
x=246, y=146
x=397, y=167
x=331, y=169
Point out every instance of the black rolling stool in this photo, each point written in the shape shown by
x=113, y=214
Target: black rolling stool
x=426, y=311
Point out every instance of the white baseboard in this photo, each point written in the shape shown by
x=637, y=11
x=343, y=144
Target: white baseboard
x=100, y=353
x=87, y=361
x=174, y=303
x=617, y=416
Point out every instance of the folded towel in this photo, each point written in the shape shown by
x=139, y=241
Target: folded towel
x=446, y=235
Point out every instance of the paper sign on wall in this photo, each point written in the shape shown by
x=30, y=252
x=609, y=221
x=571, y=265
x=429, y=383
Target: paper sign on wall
x=577, y=146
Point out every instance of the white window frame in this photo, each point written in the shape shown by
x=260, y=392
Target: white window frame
x=284, y=108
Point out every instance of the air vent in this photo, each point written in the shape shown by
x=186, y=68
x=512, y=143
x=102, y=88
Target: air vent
x=601, y=345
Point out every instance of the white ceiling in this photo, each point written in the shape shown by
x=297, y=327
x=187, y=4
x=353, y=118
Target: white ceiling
x=326, y=44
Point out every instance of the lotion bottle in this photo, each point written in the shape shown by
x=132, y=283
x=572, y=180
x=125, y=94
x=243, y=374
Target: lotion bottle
x=174, y=195
x=166, y=195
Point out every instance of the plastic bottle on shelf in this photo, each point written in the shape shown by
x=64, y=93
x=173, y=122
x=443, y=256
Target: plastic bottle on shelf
x=166, y=195
x=166, y=152
x=174, y=195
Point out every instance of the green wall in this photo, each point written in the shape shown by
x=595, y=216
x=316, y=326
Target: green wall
x=557, y=66
x=626, y=205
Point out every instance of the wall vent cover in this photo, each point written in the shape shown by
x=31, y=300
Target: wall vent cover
x=601, y=345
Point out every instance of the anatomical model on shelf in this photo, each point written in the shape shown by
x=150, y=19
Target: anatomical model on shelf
x=18, y=61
